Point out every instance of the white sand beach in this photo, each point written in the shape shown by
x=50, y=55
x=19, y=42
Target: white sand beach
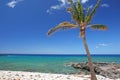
x=20, y=75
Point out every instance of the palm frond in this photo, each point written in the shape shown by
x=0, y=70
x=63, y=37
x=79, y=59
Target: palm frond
x=63, y=25
x=99, y=27
x=80, y=11
x=73, y=10
x=93, y=11
x=73, y=7
x=87, y=14
x=96, y=7
x=69, y=9
x=70, y=1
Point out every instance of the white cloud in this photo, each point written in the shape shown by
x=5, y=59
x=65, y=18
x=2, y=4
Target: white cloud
x=49, y=11
x=105, y=5
x=63, y=4
x=91, y=6
x=13, y=3
x=63, y=1
x=102, y=45
x=96, y=47
x=57, y=7
x=84, y=1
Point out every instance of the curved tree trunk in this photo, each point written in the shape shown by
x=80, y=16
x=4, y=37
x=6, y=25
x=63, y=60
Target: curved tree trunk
x=93, y=76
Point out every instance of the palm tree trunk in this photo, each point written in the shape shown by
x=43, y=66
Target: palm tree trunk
x=93, y=76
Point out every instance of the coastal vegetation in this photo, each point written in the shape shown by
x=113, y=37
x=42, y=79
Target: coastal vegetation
x=82, y=17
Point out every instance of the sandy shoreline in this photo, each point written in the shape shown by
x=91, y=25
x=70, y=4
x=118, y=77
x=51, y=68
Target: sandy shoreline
x=20, y=75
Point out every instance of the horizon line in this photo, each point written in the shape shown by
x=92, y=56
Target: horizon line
x=49, y=54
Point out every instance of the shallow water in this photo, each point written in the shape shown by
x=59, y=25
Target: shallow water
x=49, y=63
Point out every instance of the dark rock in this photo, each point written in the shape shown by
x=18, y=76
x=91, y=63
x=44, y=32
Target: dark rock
x=110, y=70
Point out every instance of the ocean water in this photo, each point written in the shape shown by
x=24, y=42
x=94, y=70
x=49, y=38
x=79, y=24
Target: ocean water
x=49, y=63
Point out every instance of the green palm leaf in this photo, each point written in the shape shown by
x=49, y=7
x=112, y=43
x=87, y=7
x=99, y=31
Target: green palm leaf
x=63, y=25
x=80, y=11
x=73, y=10
x=93, y=12
x=99, y=27
x=87, y=14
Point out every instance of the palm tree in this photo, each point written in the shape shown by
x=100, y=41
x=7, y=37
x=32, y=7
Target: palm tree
x=82, y=18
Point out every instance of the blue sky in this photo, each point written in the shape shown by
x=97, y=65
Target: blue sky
x=24, y=24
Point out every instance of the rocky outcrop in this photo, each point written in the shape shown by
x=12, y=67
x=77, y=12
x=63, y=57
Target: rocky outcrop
x=110, y=70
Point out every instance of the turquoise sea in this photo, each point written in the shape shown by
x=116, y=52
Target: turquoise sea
x=48, y=63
